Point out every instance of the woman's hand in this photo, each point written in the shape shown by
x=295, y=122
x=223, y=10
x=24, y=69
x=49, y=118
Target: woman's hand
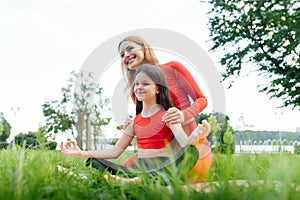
x=173, y=116
x=71, y=149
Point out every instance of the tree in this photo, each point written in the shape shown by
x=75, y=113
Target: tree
x=265, y=33
x=1, y=129
x=97, y=122
x=215, y=128
x=222, y=134
x=227, y=142
x=35, y=140
x=4, y=128
x=29, y=138
x=88, y=113
x=4, y=144
x=76, y=109
x=58, y=117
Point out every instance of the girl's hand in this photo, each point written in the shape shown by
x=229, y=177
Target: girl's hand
x=128, y=121
x=70, y=148
x=173, y=116
x=202, y=130
x=205, y=128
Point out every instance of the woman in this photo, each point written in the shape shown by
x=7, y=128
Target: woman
x=134, y=52
x=154, y=136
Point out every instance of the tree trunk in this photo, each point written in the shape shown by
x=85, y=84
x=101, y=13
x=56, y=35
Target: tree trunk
x=88, y=135
x=95, y=140
x=79, y=128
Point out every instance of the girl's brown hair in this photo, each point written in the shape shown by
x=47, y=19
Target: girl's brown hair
x=163, y=97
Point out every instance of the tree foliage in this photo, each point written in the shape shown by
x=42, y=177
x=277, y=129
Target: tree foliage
x=261, y=32
x=35, y=140
x=5, y=128
x=89, y=114
x=222, y=134
x=264, y=136
x=57, y=117
x=77, y=109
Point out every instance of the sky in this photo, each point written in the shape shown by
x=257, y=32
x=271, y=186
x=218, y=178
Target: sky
x=43, y=41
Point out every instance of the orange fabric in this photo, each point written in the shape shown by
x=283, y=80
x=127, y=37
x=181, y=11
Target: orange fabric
x=151, y=132
x=199, y=173
x=131, y=161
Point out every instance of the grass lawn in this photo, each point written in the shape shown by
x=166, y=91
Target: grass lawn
x=32, y=174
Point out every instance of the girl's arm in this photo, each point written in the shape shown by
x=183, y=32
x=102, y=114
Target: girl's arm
x=71, y=149
x=200, y=131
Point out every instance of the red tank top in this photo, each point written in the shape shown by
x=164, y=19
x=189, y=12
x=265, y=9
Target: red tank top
x=151, y=132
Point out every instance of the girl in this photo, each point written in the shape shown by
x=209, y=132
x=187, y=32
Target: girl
x=153, y=135
x=135, y=51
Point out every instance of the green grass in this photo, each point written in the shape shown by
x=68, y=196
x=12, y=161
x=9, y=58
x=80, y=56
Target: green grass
x=31, y=174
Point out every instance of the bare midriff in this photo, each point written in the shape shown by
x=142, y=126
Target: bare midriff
x=153, y=153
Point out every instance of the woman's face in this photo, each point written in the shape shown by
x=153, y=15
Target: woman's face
x=132, y=54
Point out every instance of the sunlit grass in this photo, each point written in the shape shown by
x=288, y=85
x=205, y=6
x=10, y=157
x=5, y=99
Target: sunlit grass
x=31, y=174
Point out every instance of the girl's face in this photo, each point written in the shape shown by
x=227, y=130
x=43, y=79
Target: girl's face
x=144, y=88
x=132, y=54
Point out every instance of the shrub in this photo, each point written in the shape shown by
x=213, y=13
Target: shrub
x=297, y=149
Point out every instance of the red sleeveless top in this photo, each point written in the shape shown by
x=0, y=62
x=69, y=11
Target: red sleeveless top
x=151, y=132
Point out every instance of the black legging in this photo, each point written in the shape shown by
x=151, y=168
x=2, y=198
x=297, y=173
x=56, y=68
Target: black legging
x=184, y=161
